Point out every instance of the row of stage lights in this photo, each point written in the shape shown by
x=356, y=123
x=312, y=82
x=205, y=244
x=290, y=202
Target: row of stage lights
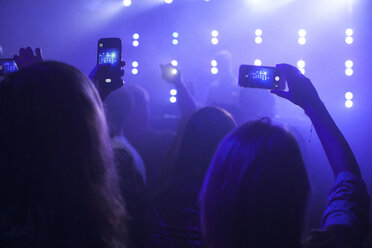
x=128, y=3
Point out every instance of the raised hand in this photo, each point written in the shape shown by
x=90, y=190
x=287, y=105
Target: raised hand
x=171, y=74
x=27, y=57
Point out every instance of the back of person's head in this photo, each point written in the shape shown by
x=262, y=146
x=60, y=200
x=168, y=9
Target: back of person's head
x=255, y=191
x=57, y=181
x=203, y=132
x=119, y=105
x=139, y=117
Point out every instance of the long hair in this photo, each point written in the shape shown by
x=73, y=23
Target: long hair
x=58, y=184
x=256, y=189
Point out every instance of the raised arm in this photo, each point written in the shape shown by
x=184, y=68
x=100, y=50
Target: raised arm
x=302, y=93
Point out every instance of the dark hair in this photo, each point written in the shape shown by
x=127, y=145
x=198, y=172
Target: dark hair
x=256, y=189
x=57, y=178
x=203, y=132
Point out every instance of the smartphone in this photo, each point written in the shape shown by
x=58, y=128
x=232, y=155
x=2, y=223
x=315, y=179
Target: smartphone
x=169, y=72
x=7, y=66
x=109, y=52
x=264, y=77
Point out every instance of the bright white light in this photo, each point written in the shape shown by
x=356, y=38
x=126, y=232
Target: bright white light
x=302, y=70
x=349, y=32
x=349, y=72
x=173, y=99
x=173, y=92
x=174, y=62
x=349, y=40
x=258, y=62
x=175, y=42
x=277, y=78
x=214, y=62
x=174, y=71
x=214, y=33
x=214, y=41
x=302, y=40
x=302, y=32
x=168, y=1
x=113, y=55
x=135, y=36
x=127, y=3
x=214, y=70
x=258, y=32
x=348, y=103
x=300, y=63
x=349, y=63
x=135, y=64
x=135, y=43
x=258, y=40
x=349, y=95
x=134, y=71
x=175, y=34
x=108, y=80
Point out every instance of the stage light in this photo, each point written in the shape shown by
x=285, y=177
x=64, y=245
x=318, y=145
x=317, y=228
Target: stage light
x=302, y=70
x=134, y=71
x=348, y=103
x=168, y=1
x=175, y=35
x=349, y=72
x=127, y=3
x=349, y=32
x=214, y=41
x=349, y=40
x=135, y=64
x=174, y=62
x=175, y=42
x=300, y=63
x=302, y=40
x=214, y=63
x=302, y=32
x=136, y=36
x=214, y=33
x=349, y=95
x=135, y=43
x=173, y=92
x=349, y=63
x=173, y=99
x=258, y=62
x=214, y=70
x=258, y=32
x=258, y=40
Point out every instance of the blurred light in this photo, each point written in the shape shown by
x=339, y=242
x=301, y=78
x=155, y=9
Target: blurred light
x=175, y=42
x=127, y=3
x=214, y=70
x=135, y=43
x=174, y=62
x=214, y=33
x=302, y=70
x=135, y=36
x=258, y=40
x=214, y=62
x=348, y=103
x=301, y=63
x=113, y=55
x=173, y=92
x=175, y=34
x=302, y=32
x=258, y=32
x=214, y=41
x=134, y=71
x=302, y=40
x=349, y=63
x=173, y=99
x=349, y=72
x=135, y=64
x=277, y=78
x=174, y=71
x=258, y=62
x=349, y=32
x=349, y=40
x=349, y=95
x=108, y=80
x=168, y=1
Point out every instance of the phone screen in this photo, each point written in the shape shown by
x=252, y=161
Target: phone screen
x=109, y=51
x=7, y=66
x=263, y=77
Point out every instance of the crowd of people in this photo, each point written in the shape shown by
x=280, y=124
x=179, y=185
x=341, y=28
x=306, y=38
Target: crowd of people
x=81, y=166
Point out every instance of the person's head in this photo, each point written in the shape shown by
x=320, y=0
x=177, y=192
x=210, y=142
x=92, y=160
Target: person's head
x=256, y=189
x=139, y=117
x=119, y=105
x=57, y=179
x=203, y=132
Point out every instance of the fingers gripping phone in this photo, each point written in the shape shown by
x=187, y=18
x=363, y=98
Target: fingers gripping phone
x=7, y=66
x=264, y=77
x=109, y=52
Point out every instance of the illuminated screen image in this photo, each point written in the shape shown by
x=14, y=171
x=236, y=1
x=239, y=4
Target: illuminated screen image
x=7, y=67
x=262, y=78
x=109, y=56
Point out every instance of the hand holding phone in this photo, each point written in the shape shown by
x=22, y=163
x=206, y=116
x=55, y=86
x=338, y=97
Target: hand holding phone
x=170, y=73
x=263, y=77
